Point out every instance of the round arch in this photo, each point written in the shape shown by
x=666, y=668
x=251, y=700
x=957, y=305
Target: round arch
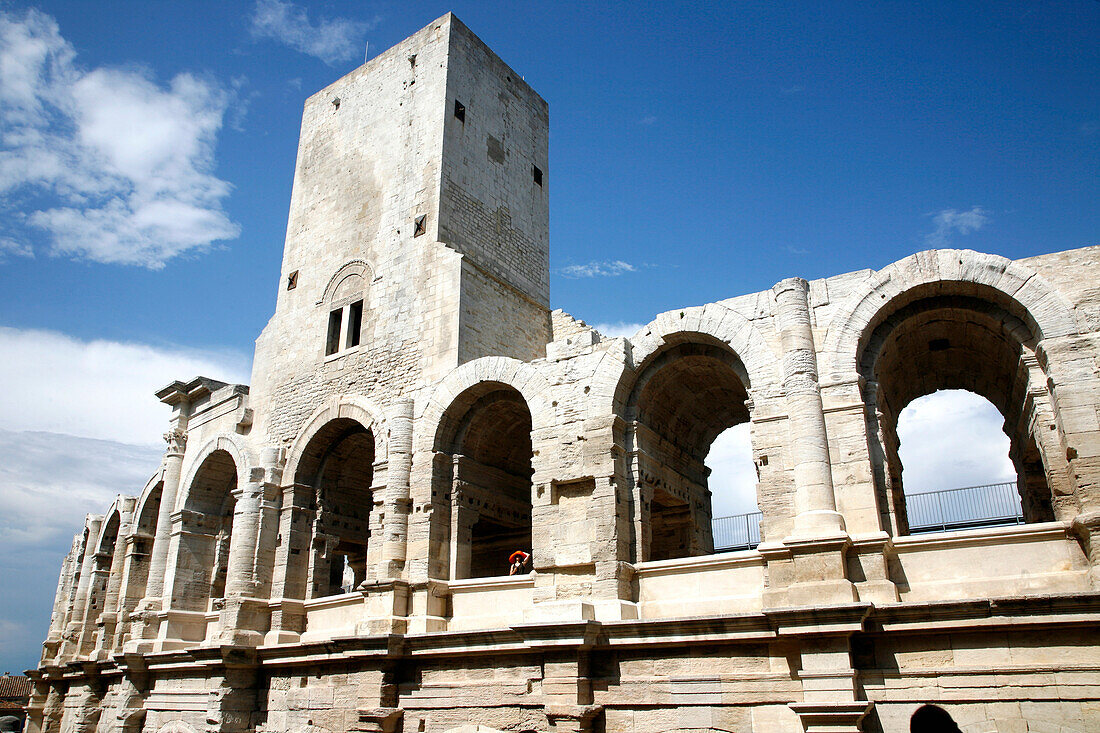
x=353, y=268
x=712, y=322
x=241, y=460
x=1019, y=289
x=524, y=378
x=351, y=407
x=113, y=514
x=675, y=403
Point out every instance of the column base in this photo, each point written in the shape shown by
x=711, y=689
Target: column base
x=808, y=572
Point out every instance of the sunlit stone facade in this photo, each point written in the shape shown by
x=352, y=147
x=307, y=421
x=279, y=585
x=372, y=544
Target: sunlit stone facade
x=326, y=550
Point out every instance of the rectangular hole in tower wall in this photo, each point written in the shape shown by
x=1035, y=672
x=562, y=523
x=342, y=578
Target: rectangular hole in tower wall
x=355, y=323
x=419, y=225
x=536, y=173
x=332, y=345
x=460, y=111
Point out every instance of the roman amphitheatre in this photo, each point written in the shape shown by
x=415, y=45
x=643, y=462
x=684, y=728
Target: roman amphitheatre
x=327, y=548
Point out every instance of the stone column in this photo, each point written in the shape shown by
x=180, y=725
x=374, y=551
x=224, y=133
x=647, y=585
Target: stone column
x=109, y=617
x=61, y=601
x=397, y=502
x=815, y=504
x=71, y=643
x=158, y=561
x=240, y=620
x=463, y=519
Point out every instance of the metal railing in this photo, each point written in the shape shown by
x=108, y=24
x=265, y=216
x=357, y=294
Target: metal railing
x=972, y=506
x=929, y=511
x=739, y=532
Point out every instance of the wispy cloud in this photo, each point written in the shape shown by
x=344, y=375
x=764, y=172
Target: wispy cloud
x=617, y=328
x=647, y=120
x=950, y=222
x=122, y=165
x=796, y=89
x=329, y=39
x=607, y=268
x=12, y=248
x=1090, y=128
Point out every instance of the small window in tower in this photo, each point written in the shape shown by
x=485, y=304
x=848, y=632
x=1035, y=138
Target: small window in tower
x=537, y=174
x=355, y=323
x=419, y=226
x=292, y=280
x=332, y=345
x=460, y=111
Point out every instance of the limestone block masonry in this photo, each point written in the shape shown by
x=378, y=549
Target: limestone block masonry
x=327, y=549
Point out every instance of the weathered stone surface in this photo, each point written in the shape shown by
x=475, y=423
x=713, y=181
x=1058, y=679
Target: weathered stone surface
x=327, y=550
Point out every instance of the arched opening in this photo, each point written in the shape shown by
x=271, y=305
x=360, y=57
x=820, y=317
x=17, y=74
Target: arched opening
x=139, y=548
x=956, y=470
x=338, y=465
x=683, y=399
x=965, y=342
x=104, y=561
x=482, y=477
x=206, y=535
x=733, y=483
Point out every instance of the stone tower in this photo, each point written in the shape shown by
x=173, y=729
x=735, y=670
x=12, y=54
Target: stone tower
x=418, y=231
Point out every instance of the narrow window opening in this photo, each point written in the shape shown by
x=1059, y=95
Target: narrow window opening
x=355, y=323
x=460, y=111
x=292, y=280
x=537, y=174
x=332, y=345
x=419, y=227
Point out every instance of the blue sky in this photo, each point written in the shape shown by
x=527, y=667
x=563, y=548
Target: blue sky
x=698, y=151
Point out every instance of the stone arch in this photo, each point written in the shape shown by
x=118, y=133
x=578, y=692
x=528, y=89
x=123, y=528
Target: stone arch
x=354, y=268
x=1045, y=312
x=953, y=319
x=687, y=388
x=522, y=377
x=479, y=426
x=111, y=528
x=231, y=445
x=175, y=726
x=148, y=505
x=713, y=321
x=352, y=407
x=205, y=528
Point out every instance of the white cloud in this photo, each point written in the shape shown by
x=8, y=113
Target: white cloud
x=609, y=268
x=949, y=222
x=330, y=39
x=618, y=328
x=127, y=162
x=97, y=389
x=951, y=439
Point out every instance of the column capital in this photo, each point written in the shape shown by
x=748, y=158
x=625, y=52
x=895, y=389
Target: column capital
x=176, y=438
